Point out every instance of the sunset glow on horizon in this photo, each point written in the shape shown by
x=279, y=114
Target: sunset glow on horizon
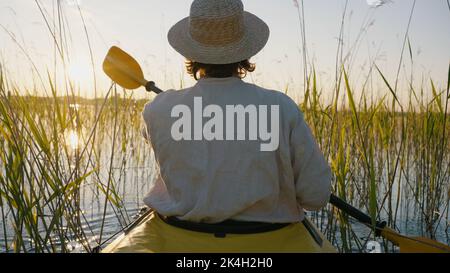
x=140, y=28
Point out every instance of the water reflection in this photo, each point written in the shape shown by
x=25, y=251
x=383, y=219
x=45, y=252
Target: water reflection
x=74, y=106
x=73, y=140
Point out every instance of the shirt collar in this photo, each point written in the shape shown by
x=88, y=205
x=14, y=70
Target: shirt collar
x=229, y=80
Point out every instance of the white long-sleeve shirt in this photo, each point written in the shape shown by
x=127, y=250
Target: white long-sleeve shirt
x=212, y=181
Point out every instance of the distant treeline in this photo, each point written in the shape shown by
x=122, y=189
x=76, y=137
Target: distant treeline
x=78, y=100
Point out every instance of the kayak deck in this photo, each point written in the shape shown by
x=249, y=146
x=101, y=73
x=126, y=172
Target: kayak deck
x=153, y=235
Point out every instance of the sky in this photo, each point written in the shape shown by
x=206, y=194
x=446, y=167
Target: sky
x=140, y=27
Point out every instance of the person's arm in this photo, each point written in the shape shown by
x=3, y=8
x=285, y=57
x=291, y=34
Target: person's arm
x=150, y=111
x=311, y=170
x=146, y=117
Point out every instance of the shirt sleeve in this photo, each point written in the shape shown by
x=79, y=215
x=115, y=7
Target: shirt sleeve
x=151, y=111
x=311, y=170
x=145, y=132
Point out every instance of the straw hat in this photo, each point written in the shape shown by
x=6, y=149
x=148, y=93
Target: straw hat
x=219, y=32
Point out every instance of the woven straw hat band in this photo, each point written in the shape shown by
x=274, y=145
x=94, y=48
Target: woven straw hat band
x=218, y=31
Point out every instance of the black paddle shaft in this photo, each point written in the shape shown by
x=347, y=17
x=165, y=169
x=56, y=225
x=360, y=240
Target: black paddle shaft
x=151, y=87
x=356, y=213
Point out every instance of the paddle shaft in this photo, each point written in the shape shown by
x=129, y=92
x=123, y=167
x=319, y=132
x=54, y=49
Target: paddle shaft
x=356, y=213
x=151, y=87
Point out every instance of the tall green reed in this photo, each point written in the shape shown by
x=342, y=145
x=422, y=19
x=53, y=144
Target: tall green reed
x=388, y=158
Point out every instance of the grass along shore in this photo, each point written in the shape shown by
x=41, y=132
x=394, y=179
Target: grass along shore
x=73, y=170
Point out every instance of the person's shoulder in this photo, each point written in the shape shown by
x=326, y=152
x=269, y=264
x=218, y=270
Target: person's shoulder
x=162, y=101
x=285, y=102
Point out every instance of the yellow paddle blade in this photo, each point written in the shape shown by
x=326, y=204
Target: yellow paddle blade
x=123, y=69
x=414, y=244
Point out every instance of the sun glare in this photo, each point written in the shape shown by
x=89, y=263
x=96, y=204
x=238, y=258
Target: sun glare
x=79, y=72
x=73, y=140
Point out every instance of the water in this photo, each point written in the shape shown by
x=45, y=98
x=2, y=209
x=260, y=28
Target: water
x=127, y=165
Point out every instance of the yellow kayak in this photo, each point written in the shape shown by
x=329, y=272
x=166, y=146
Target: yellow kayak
x=151, y=234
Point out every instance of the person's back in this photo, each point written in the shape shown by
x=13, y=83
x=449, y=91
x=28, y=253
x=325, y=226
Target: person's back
x=227, y=149
x=232, y=150
x=237, y=163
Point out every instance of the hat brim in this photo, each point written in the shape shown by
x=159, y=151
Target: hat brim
x=255, y=37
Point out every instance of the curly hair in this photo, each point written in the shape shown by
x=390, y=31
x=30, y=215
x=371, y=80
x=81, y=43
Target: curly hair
x=200, y=70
